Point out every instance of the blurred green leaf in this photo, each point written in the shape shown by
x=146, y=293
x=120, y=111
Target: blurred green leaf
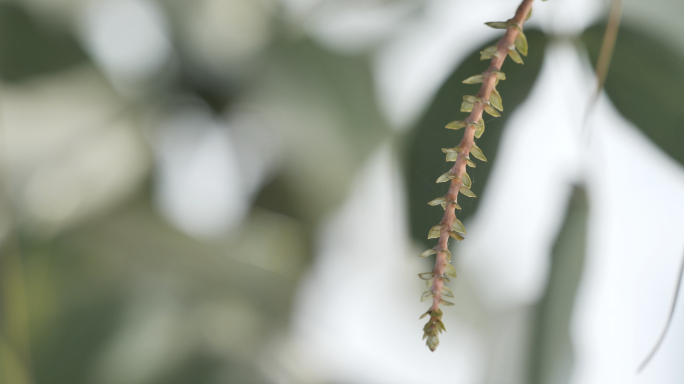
x=423, y=160
x=552, y=352
x=29, y=48
x=326, y=117
x=646, y=84
x=82, y=283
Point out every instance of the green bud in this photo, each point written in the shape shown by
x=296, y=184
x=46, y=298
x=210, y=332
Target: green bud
x=428, y=253
x=444, y=302
x=437, y=201
x=440, y=326
x=497, y=24
x=456, y=235
x=495, y=99
x=471, y=99
x=467, y=192
x=426, y=295
x=449, y=270
x=477, y=152
x=473, y=79
x=444, y=178
x=479, y=128
x=515, y=56
x=432, y=343
x=466, y=181
x=435, y=232
x=456, y=125
x=457, y=226
x=454, y=149
x=521, y=43
x=451, y=156
x=492, y=111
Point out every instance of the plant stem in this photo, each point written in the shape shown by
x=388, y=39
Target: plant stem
x=468, y=141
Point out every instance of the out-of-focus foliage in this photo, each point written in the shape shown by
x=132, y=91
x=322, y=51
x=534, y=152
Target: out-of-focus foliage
x=128, y=299
x=30, y=48
x=423, y=156
x=646, y=84
x=324, y=113
x=552, y=356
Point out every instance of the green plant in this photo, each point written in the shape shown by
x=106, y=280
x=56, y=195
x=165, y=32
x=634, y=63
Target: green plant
x=488, y=99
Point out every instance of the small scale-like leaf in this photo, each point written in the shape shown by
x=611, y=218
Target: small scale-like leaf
x=444, y=178
x=449, y=270
x=437, y=201
x=451, y=156
x=456, y=125
x=447, y=292
x=456, y=235
x=428, y=253
x=529, y=14
x=500, y=75
x=492, y=111
x=485, y=55
x=446, y=278
x=435, y=232
x=477, y=152
x=426, y=294
x=424, y=314
x=479, y=128
x=471, y=99
x=471, y=163
x=466, y=181
x=473, y=79
x=444, y=302
x=454, y=149
x=426, y=275
x=495, y=99
x=466, y=107
x=497, y=24
x=521, y=43
x=458, y=226
x=493, y=49
x=467, y=192
x=515, y=56
x=455, y=205
x=429, y=283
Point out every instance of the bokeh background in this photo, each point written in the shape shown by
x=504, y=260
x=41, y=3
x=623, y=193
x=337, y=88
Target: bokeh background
x=234, y=191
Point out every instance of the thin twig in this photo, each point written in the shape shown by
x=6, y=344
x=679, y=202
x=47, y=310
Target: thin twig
x=667, y=323
x=459, y=168
x=605, y=57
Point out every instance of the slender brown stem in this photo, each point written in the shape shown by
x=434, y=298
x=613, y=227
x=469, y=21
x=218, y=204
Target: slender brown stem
x=667, y=322
x=468, y=141
x=605, y=57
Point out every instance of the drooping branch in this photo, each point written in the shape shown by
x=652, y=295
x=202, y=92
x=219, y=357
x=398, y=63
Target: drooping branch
x=513, y=43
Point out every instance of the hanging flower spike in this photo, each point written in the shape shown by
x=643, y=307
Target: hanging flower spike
x=512, y=44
